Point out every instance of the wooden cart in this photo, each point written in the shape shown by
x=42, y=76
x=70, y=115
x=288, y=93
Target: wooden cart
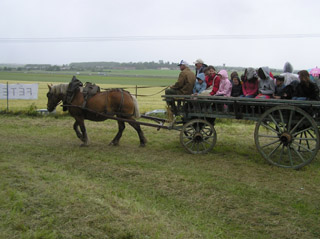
x=286, y=132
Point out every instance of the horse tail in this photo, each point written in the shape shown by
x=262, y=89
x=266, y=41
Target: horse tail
x=136, y=108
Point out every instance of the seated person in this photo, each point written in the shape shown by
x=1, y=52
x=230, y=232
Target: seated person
x=266, y=84
x=306, y=90
x=236, y=90
x=250, y=83
x=200, y=84
x=212, y=81
x=279, y=89
x=185, y=83
x=225, y=84
x=288, y=74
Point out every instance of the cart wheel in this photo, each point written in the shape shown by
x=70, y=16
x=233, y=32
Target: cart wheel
x=198, y=136
x=287, y=136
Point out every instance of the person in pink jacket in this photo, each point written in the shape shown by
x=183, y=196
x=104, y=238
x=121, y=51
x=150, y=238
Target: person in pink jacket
x=225, y=86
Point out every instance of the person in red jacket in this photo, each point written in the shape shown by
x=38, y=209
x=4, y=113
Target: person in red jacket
x=250, y=83
x=213, y=82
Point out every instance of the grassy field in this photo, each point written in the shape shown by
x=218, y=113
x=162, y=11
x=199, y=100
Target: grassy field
x=52, y=188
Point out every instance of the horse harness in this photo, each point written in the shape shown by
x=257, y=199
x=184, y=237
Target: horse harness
x=89, y=90
x=121, y=101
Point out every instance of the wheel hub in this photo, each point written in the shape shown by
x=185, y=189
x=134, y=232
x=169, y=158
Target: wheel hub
x=197, y=138
x=286, y=138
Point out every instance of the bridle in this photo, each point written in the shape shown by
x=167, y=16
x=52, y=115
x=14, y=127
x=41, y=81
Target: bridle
x=51, y=104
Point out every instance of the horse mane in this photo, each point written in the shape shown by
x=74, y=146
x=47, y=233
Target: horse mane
x=59, y=89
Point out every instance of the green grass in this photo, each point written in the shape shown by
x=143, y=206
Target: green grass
x=52, y=188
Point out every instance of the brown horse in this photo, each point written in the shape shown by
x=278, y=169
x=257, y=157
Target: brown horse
x=115, y=102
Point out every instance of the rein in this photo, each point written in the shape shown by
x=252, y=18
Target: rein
x=141, y=87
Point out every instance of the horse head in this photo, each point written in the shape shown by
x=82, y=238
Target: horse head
x=54, y=98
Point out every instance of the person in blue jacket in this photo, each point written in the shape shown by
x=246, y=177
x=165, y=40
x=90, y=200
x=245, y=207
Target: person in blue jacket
x=200, y=84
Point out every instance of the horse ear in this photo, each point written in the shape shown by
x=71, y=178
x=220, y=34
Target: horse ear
x=49, y=86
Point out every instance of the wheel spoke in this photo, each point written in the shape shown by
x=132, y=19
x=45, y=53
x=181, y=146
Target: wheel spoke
x=300, y=121
x=276, y=123
x=281, y=153
x=281, y=118
x=190, y=141
x=273, y=142
x=310, y=134
x=268, y=136
x=306, y=139
x=290, y=120
x=290, y=156
x=203, y=146
x=274, y=150
x=269, y=127
x=302, y=131
x=302, y=146
x=298, y=153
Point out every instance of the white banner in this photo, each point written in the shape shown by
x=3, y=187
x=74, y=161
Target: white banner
x=19, y=91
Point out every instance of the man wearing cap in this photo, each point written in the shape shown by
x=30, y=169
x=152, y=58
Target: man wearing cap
x=200, y=66
x=185, y=83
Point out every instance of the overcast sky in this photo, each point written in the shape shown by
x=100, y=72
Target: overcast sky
x=232, y=32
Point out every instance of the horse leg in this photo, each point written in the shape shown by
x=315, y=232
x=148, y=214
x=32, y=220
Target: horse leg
x=121, y=127
x=83, y=134
x=76, y=129
x=137, y=127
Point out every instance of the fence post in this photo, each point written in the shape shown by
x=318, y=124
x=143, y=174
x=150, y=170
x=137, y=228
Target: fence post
x=7, y=96
x=136, y=91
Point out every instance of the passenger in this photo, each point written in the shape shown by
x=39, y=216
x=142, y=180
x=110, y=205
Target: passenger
x=185, y=82
x=306, y=90
x=250, y=83
x=266, y=84
x=236, y=86
x=206, y=72
x=279, y=89
x=233, y=74
x=200, y=84
x=212, y=81
x=200, y=66
x=288, y=74
x=225, y=84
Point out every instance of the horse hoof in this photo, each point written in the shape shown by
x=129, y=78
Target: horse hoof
x=113, y=144
x=83, y=145
x=142, y=145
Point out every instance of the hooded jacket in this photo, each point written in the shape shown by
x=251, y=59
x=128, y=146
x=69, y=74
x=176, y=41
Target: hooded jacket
x=250, y=82
x=225, y=85
x=266, y=83
x=288, y=74
x=198, y=88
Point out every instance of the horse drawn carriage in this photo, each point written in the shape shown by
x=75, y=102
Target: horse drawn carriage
x=286, y=132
